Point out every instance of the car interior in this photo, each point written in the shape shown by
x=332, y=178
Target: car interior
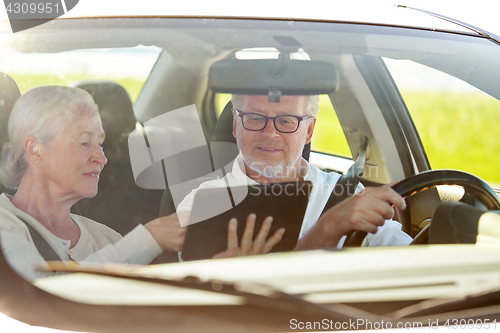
x=366, y=100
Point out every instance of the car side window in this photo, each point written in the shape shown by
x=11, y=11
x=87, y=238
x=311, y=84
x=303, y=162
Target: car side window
x=457, y=123
x=329, y=138
x=31, y=70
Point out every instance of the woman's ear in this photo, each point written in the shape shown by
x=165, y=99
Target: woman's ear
x=33, y=150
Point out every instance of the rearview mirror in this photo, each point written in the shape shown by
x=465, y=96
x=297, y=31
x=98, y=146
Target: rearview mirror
x=273, y=77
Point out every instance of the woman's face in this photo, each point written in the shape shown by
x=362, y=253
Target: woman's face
x=74, y=160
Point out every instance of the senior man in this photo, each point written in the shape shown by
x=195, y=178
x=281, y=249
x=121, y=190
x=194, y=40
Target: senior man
x=270, y=138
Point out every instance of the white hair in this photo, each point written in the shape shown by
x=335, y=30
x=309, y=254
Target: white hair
x=312, y=105
x=39, y=113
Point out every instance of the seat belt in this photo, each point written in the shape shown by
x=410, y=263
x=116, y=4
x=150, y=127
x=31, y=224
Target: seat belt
x=43, y=247
x=346, y=186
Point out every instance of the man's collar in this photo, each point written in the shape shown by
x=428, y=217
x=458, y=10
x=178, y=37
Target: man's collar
x=239, y=171
x=307, y=176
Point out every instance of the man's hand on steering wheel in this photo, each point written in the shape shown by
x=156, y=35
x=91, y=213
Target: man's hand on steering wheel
x=365, y=211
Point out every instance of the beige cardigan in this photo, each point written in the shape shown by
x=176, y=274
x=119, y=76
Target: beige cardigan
x=97, y=244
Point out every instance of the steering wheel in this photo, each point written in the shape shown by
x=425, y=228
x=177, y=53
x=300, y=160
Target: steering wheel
x=475, y=188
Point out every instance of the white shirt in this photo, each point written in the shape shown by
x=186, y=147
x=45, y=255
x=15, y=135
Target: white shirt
x=323, y=183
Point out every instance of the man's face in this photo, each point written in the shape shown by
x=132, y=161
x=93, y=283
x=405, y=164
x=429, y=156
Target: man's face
x=269, y=152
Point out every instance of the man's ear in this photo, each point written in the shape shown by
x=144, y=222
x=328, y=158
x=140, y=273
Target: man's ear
x=235, y=123
x=33, y=150
x=310, y=130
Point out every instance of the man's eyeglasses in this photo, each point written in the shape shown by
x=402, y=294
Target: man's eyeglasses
x=283, y=124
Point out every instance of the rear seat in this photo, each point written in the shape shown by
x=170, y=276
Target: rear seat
x=9, y=93
x=119, y=203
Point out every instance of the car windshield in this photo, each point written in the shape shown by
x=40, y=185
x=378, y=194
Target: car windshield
x=398, y=101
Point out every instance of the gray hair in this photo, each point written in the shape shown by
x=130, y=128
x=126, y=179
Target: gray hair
x=39, y=113
x=312, y=105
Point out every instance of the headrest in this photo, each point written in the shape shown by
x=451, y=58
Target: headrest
x=115, y=106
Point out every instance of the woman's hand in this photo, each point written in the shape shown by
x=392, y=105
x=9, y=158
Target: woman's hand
x=167, y=232
x=249, y=246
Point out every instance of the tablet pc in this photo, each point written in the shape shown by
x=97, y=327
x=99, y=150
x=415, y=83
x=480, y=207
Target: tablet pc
x=285, y=202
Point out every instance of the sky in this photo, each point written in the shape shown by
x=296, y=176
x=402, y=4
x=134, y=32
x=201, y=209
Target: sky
x=481, y=13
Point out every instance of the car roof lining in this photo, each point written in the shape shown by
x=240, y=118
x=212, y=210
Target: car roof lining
x=206, y=34
x=199, y=42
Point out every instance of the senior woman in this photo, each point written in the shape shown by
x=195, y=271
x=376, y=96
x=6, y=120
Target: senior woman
x=54, y=159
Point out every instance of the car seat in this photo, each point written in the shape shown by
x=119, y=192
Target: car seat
x=119, y=203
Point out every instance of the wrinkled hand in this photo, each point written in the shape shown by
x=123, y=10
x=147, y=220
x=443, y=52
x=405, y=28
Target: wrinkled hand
x=249, y=247
x=365, y=211
x=167, y=232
